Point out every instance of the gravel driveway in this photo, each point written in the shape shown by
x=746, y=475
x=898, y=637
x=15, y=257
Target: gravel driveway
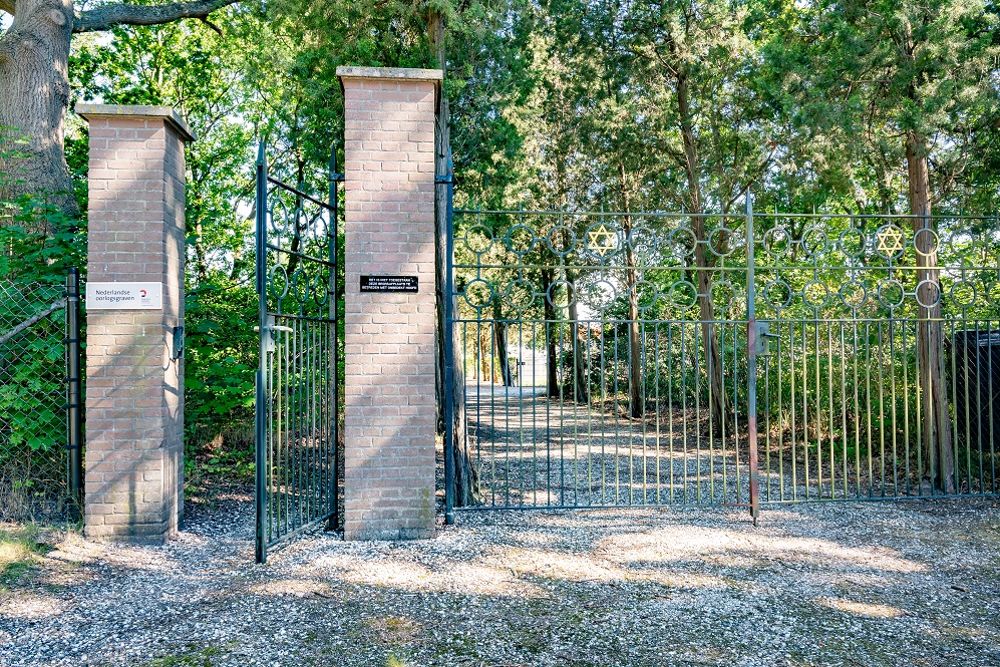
x=913, y=583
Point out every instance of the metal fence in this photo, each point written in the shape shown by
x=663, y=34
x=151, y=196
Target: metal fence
x=652, y=358
x=40, y=407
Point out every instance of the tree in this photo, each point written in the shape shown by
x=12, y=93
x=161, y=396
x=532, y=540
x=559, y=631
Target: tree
x=916, y=81
x=35, y=91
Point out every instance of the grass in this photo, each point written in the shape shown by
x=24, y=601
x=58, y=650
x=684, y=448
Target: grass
x=20, y=554
x=194, y=657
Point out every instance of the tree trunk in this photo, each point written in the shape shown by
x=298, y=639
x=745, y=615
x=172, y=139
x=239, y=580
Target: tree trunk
x=637, y=405
x=465, y=474
x=930, y=336
x=500, y=345
x=581, y=390
x=703, y=278
x=549, y=313
x=34, y=94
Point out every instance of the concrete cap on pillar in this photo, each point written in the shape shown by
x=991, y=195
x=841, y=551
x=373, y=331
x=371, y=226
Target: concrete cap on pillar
x=406, y=73
x=167, y=114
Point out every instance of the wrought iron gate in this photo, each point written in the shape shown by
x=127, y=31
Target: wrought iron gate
x=652, y=358
x=296, y=402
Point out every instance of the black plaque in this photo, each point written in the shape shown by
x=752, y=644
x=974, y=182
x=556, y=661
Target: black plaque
x=405, y=284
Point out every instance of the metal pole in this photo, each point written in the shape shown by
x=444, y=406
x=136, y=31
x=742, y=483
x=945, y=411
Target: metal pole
x=74, y=403
x=752, y=334
x=260, y=413
x=335, y=178
x=449, y=354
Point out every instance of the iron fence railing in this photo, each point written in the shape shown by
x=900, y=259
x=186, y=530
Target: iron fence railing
x=40, y=400
x=634, y=358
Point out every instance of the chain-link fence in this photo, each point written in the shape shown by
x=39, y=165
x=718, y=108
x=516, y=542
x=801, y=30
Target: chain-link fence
x=34, y=479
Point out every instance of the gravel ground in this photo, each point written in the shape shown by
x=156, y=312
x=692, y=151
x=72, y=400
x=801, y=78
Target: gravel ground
x=908, y=583
x=531, y=450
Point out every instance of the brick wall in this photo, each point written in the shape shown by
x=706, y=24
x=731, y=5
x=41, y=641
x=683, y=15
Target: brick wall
x=389, y=338
x=134, y=390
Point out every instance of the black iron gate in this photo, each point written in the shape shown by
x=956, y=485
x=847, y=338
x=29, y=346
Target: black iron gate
x=296, y=404
x=650, y=358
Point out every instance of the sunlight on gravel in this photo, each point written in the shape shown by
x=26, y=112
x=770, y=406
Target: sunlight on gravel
x=891, y=584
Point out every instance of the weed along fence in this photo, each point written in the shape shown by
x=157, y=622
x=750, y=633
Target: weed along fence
x=587, y=358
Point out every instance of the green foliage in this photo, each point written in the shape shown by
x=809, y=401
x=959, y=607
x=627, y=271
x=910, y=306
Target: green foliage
x=220, y=366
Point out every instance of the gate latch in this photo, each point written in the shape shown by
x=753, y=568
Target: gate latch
x=271, y=328
x=763, y=338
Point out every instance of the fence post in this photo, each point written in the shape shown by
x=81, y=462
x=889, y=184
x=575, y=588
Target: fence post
x=448, y=392
x=752, y=335
x=74, y=413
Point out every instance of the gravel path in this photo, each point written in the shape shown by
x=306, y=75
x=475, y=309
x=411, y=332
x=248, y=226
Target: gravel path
x=913, y=583
x=535, y=451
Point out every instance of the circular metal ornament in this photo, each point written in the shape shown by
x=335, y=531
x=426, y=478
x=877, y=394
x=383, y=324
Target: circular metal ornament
x=777, y=241
x=599, y=296
x=478, y=239
x=929, y=286
x=277, y=281
x=720, y=241
x=647, y=296
x=682, y=294
x=927, y=236
x=520, y=294
x=963, y=293
x=853, y=294
x=682, y=242
x=777, y=293
x=852, y=243
x=520, y=239
x=959, y=244
x=890, y=293
x=556, y=243
x=724, y=293
x=815, y=294
x=814, y=241
x=478, y=293
x=320, y=290
x=643, y=241
x=567, y=290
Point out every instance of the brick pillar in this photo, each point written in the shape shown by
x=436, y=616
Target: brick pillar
x=135, y=385
x=389, y=409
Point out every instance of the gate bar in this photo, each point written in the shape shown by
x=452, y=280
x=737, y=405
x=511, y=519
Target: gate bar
x=448, y=389
x=260, y=424
x=752, y=334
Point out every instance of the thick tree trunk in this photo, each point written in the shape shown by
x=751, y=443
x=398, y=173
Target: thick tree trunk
x=549, y=313
x=581, y=390
x=702, y=259
x=500, y=345
x=930, y=336
x=637, y=403
x=34, y=94
x=465, y=473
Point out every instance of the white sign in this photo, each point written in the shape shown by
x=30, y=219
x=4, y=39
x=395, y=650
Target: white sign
x=124, y=296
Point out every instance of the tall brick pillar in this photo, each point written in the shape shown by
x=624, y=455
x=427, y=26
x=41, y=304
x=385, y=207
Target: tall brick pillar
x=135, y=376
x=389, y=409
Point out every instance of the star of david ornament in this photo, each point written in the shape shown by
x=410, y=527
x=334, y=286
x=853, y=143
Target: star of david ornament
x=890, y=240
x=602, y=240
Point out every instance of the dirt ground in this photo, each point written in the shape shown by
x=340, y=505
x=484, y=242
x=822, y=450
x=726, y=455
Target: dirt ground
x=905, y=583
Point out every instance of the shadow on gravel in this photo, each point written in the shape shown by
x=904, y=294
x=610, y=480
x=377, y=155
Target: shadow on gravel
x=851, y=584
